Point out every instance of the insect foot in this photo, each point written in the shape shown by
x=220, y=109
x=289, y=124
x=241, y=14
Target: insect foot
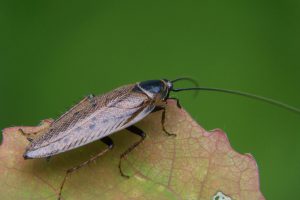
x=122, y=173
x=163, y=120
x=168, y=133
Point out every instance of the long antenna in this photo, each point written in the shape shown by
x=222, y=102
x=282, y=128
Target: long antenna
x=196, y=84
x=187, y=79
x=245, y=94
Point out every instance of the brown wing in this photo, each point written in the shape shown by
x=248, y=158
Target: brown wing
x=92, y=119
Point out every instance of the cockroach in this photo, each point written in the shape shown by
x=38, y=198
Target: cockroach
x=98, y=117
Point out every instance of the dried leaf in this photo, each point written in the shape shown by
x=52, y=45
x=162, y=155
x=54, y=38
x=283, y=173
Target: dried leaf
x=194, y=165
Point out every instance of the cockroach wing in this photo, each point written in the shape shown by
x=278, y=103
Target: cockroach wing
x=92, y=119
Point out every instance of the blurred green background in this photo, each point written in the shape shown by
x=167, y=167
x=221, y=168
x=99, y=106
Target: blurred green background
x=55, y=52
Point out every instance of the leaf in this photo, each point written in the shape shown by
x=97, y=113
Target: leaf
x=196, y=164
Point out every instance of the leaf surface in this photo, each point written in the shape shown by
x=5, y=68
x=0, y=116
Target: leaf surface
x=196, y=164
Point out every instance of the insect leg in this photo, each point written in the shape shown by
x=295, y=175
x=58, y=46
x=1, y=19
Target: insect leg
x=157, y=108
x=32, y=132
x=27, y=135
x=139, y=132
x=163, y=118
x=177, y=102
x=105, y=140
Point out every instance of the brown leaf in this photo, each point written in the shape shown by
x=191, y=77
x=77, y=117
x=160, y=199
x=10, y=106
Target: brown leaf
x=196, y=164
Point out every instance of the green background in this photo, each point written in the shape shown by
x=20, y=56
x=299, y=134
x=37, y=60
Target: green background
x=53, y=53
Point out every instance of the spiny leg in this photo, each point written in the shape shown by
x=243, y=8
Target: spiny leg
x=105, y=140
x=32, y=132
x=163, y=117
x=139, y=132
x=29, y=136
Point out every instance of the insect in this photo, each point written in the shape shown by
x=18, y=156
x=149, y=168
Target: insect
x=97, y=117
